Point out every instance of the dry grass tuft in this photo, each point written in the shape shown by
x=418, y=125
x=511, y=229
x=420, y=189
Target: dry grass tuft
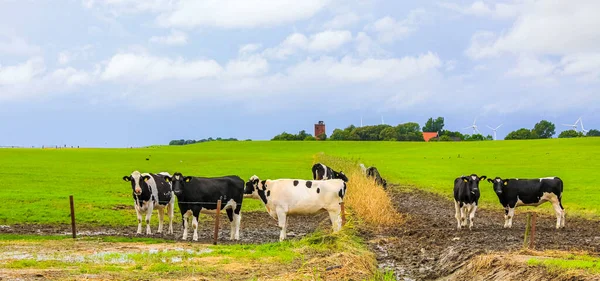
x=364, y=199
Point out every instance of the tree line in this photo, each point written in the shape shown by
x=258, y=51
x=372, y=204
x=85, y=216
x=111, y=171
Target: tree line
x=545, y=130
x=185, y=142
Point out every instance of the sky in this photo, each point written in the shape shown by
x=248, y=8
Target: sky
x=121, y=73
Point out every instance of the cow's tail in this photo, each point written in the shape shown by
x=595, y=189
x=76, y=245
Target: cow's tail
x=560, y=189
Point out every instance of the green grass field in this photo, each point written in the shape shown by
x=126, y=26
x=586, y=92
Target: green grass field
x=36, y=183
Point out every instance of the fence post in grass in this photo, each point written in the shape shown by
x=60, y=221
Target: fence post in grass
x=532, y=236
x=72, y=216
x=527, y=228
x=217, y=215
x=343, y=213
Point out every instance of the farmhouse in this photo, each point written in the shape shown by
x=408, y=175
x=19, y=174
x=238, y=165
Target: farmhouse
x=429, y=135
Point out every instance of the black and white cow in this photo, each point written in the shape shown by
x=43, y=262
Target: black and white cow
x=529, y=192
x=466, y=199
x=372, y=172
x=151, y=191
x=322, y=172
x=197, y=195
x=285, y=197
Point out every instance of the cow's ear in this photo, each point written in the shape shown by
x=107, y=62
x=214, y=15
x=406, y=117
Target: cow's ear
x=146, y=178
x=126, y=178
x=482, y=178
x=490, y=180
x=187, y=179
x=505, y=182
x=167, y=178
x=465, y=179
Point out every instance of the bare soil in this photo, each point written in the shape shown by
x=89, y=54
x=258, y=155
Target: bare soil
x=428, y=246
x=256, y=227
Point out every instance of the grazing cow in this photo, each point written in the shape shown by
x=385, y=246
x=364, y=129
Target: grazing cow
x=197, y=195
x=322, y=172
x=372, y=172
x=151, y=191
x=466, y=199
x=286, y=197
x=529, y=192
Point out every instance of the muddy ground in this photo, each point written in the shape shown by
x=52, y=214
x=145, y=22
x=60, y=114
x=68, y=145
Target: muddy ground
x=256, y=227
x=428, y=246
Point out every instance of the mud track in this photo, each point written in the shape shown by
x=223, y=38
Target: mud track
x=428, y=246
x=256, y=227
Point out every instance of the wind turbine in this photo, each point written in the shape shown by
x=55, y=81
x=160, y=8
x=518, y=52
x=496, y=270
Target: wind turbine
x=494, y=129
x=574, y=126
x=474, y=126
x=361, y=124
x=582, y=128
x=382, y=120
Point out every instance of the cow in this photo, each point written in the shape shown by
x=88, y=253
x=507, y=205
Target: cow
x=466, y=199
x=197, y=195
x=372, y=172
x=322, y=172
x=363, y=169
x=529, y=192
x=285, y=197
x=151, y=191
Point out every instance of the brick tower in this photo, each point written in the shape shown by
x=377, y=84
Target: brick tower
x=319, y=129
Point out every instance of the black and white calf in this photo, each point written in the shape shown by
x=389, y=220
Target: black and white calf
x=197, y=195
x=151, y=191
x=529, y=192
x=466, y=199
x=372, y=172
x=322, y=172
x=285, y=197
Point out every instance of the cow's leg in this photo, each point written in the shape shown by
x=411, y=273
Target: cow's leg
x=282, y=220
x=195, y=217
x=161, y=217
x=457, y=213
x=463, y=215
x=506, y=217
x=472, y=215
x=185, y=217
x=237, y=218
x=559, y=213
x=231, y=223
x=170, y=214
x=511, y=214
x=336, y=220
x=139, y=217
x=148, y=217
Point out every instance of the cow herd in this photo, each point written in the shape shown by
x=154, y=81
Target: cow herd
x=511, y=193
x=287, y=197
x=196, y=195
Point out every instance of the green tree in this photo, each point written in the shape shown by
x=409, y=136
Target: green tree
x=445, y=138
x=593, y=133
x=434, y=125
x=452, y=135
x=570, y=134
x=544, y=129
x=389, y=134
x=322, y=136
x=310, y=138
x=474, y=137
x=489, y=137
x=520, y=134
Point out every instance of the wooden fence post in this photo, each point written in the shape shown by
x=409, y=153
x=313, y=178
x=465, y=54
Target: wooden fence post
x=343, y=213
x=527, y=228
x=217, y=216
x=72, y=217
x=532, y=236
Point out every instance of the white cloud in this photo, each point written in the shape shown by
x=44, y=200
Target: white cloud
x=528, y=66
x=13, y=45
x=252, y=66
x=389, y=29
x=367, y=47
x=322, y=42
x=482, y=9
x=249, y=49
x=585, y=64
x=147, y=68
x=21, y=73
x=481, y=45
x=77, y=53
x=131, y=6
x=239, y=13
x=176, y=37
x=342, y=21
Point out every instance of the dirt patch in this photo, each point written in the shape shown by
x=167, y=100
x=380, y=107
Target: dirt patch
x=256, y=227
x=428, y=246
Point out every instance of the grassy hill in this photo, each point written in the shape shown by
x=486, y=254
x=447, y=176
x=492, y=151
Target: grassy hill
x=36, y=183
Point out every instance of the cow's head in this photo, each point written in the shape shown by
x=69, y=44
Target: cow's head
x=473, y=181
x=138, y=182
x=252, y=186
x=498, y=184
x=178, y=182
x=340, y=175
x=384, y=183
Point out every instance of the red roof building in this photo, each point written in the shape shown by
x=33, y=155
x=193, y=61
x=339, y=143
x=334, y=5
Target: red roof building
x=429, y=135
